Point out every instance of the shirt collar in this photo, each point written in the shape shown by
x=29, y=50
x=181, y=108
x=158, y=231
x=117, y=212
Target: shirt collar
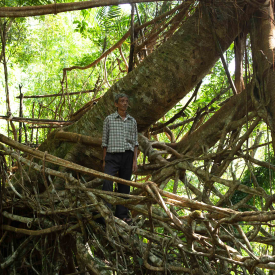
x=118, y=115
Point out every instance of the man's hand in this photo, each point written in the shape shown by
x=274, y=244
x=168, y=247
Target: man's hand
x=135, y=167
x=103, y=165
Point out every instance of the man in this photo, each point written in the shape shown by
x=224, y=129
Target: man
x=120, y=145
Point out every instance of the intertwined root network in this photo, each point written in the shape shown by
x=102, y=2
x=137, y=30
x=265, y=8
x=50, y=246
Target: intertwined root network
x=73, y=228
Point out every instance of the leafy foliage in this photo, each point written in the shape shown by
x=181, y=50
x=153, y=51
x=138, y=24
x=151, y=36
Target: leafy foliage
x=264, y=177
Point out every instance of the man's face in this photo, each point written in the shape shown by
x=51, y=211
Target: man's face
x=122, y=104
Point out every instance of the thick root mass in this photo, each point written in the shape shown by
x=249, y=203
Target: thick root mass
x=72, y=231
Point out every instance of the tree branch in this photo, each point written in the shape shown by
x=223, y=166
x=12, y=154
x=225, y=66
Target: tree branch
x=63, y=7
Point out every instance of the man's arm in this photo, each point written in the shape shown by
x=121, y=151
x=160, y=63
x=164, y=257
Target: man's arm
x=136, y=149
x=135, y=160
x=105, y=138
x=103, y=157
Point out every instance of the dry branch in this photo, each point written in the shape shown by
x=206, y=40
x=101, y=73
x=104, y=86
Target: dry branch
x=34, y=232
x=36, y=121
x=13, y=257
x=56, y=95
x=62, y=7
x=73, y=137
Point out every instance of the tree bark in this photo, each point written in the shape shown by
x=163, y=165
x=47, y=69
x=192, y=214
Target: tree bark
x=62, y=7
x=239, y=47
x=210, y=132
x=263, y=44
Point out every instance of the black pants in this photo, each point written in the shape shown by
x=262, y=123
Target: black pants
x=123, y=164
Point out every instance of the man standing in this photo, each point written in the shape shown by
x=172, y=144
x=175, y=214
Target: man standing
x=120, y=145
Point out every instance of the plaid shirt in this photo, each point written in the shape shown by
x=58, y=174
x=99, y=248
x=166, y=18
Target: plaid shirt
x=119, y=135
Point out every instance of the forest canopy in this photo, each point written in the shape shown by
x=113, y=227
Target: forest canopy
x=200, y=81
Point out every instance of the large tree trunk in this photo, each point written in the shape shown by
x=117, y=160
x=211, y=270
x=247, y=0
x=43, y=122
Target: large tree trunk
x=160, y=81
x=263, y=44
x=224, y=120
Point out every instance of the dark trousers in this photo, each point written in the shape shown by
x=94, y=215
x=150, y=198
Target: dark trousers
x=123, y=164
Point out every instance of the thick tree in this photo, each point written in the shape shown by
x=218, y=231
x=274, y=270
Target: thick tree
x=54, y=199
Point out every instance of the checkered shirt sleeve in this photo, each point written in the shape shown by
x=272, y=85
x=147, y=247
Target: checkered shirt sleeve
x=119, y=135
x=105, y=135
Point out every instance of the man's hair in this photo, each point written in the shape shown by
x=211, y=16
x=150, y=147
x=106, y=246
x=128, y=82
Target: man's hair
x=118, y=96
